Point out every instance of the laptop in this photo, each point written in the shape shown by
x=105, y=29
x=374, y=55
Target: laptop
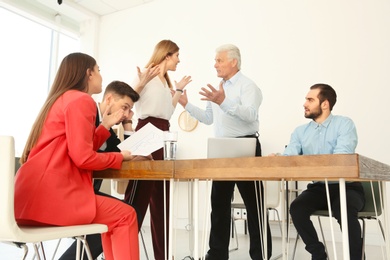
x=231, y=147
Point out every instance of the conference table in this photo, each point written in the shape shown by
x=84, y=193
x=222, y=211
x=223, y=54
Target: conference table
x=340, y=167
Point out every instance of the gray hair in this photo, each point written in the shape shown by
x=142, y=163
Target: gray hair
x=232, y=52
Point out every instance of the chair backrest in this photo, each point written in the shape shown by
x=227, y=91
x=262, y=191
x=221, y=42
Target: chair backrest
x=17, y=164
x=273, y=190
x=7, y=173
x=231, y=147
x=369, y=207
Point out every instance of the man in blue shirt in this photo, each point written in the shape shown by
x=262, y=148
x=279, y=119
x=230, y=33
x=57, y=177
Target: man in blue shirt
x=325, y=134
x=233, y=108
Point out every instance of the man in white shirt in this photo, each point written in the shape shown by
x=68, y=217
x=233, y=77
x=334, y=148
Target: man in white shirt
x=233, y=108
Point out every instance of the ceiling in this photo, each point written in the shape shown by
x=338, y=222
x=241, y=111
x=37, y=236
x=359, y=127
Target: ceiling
x=72, y=12
x=99, y=7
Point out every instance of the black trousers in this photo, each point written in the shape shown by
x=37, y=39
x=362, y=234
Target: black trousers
x=221, y=195
x=314, y=198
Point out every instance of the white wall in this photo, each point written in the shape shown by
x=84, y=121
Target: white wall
x=286, y=47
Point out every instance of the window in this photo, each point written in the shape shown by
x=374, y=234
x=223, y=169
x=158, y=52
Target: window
x=26, y=51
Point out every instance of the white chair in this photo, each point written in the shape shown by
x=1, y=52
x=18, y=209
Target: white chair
x=273, y=189
x=11, y=232
x=371, y=211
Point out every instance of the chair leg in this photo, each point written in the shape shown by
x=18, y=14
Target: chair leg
x=78, y=246
x=43, y=250
x=363, y=236
x=85, y=246
x=280, y=227
x=382, y=230
x=56, y=249
x=143, y=243
x=25, y=250
x=323, y=236
x=246, y=226
x=234, y=230
x=36, y=250
x=295, y=247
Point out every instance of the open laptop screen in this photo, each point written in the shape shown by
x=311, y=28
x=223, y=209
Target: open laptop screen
x=231, y=147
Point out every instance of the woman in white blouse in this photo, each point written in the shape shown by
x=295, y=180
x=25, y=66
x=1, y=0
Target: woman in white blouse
x=156, y=105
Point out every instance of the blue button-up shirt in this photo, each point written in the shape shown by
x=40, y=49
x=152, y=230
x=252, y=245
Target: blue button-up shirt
x=336, y=135
x=238, y=113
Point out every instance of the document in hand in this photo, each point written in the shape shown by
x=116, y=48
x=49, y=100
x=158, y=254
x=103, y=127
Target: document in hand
x=144, y=141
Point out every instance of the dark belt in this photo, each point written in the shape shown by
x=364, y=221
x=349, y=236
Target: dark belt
x=255, y=135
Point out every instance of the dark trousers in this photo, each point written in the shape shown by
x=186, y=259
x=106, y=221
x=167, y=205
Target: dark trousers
x=151, y=193
x=141, y=194
x=221, y=195
x=314, y=198
x=252, y=195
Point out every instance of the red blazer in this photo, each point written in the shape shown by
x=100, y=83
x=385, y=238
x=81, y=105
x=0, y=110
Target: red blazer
x=55, y=186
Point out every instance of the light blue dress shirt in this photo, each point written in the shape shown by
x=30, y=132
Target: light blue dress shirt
x=336, y=135
x=238, y=114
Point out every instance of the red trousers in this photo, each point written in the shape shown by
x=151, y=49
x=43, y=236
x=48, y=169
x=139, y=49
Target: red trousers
x=141, y=194
x=120, y=242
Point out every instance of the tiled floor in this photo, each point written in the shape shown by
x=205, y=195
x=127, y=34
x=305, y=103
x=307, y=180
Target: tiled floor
x=183, y=249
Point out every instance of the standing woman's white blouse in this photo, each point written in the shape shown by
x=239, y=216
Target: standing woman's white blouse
x=155, y=100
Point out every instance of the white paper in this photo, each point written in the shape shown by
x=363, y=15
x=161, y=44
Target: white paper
x=144, y=141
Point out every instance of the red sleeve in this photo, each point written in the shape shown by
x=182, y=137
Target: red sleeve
x=101, y=135
x=82, y=139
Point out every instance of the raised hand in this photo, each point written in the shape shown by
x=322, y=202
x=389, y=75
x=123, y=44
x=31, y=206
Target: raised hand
x=149, y=73
x=213, y=95
x=109, y=119
x=183, y=82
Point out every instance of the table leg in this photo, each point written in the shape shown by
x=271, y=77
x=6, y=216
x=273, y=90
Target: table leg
x=170, y=246
x=386, y=218
x=344, y=220
x=196, y=218
x=284, y=207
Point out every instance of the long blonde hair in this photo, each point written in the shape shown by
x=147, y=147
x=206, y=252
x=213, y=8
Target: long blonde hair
x=163, y=49
x=71, y=75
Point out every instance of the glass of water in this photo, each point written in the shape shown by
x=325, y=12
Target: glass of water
x=170, y=145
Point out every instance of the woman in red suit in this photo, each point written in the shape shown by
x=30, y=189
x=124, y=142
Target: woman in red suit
x=54, y=184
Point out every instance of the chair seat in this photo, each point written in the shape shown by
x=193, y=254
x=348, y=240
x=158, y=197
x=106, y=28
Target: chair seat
x=362, y=214
x=11, y=232
x=26, y=234
x=238, y=205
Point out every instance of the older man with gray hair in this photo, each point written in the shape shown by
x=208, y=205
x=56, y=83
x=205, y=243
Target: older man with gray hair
x=233, y=108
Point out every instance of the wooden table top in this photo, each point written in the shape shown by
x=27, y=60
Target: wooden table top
x=303, y=167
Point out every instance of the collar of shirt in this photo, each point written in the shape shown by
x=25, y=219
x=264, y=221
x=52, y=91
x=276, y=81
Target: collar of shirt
x=232, y=80
x=325, y=124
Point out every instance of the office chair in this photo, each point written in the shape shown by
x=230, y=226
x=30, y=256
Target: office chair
x=372, y=210
x=11, y=232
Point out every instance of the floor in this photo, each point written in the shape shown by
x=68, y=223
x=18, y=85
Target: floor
x=183, y=249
